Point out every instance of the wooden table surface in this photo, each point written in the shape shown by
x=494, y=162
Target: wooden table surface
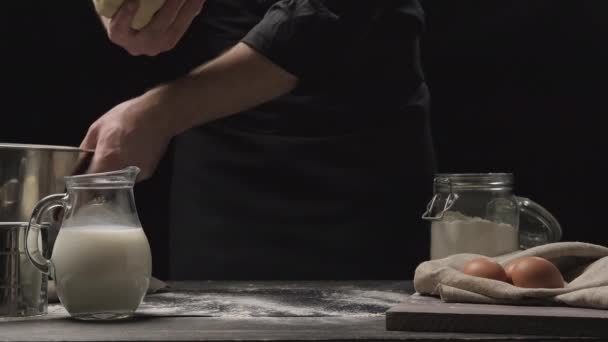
x=248, y=311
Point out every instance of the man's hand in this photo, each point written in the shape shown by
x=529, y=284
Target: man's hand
x=138, y=131
x=162, y=33
x=134, y=133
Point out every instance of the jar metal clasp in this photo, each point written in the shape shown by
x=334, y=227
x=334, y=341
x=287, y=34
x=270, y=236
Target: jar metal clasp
x=449, y=202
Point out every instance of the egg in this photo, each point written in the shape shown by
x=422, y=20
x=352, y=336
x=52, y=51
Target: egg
x=509, y=270
x=536, y=272
x=485, y=268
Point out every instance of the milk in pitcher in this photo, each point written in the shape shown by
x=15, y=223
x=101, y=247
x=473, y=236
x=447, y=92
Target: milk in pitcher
x=101, y=268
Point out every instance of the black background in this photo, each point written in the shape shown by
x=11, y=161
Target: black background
x=517, y=85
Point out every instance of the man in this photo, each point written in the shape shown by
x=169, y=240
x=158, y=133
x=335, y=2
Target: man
x=303, y=147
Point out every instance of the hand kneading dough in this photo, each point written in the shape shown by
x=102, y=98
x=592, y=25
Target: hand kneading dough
x=145, y=12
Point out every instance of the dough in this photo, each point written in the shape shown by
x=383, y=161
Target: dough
x=145, y=12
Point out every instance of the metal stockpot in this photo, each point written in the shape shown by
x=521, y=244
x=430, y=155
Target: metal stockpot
x=29, y=173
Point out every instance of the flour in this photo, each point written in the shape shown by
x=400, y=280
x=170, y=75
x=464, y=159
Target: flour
x=233, y=300
x=272, y=302
x=457, y=233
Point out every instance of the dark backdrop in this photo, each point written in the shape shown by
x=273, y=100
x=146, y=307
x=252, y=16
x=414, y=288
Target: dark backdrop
x=518, y=86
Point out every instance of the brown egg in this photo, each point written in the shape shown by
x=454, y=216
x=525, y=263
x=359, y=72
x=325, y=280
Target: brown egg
x=536, y=272
x=485, y=268
x=509, y=270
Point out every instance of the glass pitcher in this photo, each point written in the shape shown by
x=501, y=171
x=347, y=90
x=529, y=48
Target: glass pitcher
x=478, y=213
x=101, y=259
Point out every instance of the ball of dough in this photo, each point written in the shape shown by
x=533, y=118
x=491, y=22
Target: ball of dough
x=145, y=12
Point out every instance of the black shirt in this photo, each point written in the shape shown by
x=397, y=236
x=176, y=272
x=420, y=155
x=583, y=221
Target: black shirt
x=328, y=181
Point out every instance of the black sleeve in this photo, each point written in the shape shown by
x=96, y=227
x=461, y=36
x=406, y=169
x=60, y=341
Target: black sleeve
x=308, y=38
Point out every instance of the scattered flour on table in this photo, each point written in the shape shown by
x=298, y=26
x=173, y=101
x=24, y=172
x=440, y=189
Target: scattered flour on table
x=266, y=303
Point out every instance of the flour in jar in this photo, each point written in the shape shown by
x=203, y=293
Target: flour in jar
x=457, y=233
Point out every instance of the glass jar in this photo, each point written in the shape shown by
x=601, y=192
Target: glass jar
x=479, y=213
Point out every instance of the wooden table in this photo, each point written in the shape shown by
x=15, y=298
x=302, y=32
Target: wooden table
x=247, y=311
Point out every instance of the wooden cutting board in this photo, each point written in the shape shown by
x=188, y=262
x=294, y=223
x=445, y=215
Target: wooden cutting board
x=429, y=314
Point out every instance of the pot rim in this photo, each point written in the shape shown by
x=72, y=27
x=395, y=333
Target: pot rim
x=9, y=146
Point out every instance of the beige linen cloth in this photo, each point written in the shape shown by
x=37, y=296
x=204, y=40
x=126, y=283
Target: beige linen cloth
x=583, y=265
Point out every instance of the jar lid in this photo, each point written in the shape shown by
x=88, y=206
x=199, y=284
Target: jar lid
x=473, y=181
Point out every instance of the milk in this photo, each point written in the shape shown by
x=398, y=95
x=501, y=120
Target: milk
x=457, y=233
x=101, y=269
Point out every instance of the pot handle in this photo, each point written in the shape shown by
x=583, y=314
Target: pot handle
x=32, y=232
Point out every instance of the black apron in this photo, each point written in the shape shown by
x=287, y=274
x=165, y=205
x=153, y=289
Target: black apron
x=324, y=183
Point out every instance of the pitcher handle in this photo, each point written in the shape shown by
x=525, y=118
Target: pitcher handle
x=32, y=232
x=553, y=230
